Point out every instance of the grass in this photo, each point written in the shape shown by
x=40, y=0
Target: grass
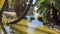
x=21, y=27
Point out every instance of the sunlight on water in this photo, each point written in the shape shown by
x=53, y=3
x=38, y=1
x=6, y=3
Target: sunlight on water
x=34, y=23
x=8, y=29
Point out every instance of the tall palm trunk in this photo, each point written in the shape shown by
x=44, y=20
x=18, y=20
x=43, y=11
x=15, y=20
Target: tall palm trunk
x=54, y=14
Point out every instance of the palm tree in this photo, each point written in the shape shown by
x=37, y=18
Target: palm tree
x=49, y=9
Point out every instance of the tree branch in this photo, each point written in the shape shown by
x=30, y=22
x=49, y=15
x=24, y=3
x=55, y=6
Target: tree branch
x=23, y=14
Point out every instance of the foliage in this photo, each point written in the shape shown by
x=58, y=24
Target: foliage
x=11, y=4
x=1, y=3
x=21, y=27
x=44, y=7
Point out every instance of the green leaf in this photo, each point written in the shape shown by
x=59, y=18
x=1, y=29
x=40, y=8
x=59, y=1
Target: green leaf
x=40, y=1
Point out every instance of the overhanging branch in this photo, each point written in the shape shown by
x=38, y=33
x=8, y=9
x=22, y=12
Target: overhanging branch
x=23, y=15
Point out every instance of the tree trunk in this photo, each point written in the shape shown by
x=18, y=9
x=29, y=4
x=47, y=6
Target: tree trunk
x=54, y=14
x=18, y=6
x=23, y=14
x=1, y=12
x=6, y=6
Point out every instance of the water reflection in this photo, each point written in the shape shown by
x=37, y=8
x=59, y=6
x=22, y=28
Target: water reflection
x=34, y=23
x=31, y=26
x=8, y=29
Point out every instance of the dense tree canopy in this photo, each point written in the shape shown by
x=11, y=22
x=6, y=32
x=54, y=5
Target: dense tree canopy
x=47, y=7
